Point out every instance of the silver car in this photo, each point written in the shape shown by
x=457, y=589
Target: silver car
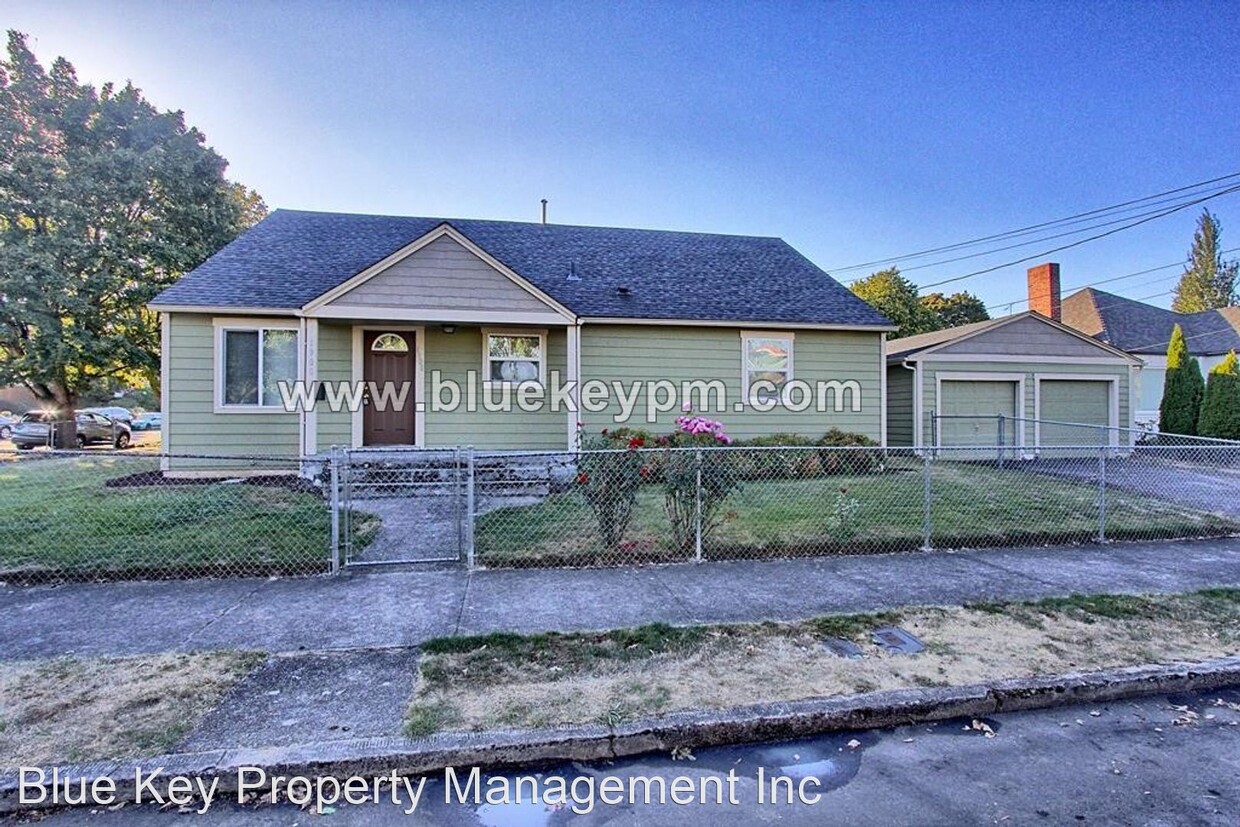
x=92, y=428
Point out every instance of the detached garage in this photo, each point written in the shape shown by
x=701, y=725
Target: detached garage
x=1025, y=381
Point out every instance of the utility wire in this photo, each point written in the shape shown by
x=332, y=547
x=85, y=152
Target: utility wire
x=1076, y=287
x=984, y=253
x=1031, y=227
x=1079, y=242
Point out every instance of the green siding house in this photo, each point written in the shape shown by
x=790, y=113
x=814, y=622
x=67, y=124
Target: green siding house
x=1025, y=380
x=505, y=336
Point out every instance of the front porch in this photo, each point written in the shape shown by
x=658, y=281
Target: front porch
x=435, y=384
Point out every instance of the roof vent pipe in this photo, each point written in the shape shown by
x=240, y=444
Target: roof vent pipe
x=544, y=211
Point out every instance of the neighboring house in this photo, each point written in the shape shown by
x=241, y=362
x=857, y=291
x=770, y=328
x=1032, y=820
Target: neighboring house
x=323, y=297
x=950, y=387
x=1145, y=331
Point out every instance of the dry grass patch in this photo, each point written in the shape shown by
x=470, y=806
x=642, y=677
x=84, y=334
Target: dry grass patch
x=74, y=709
x=499, y=681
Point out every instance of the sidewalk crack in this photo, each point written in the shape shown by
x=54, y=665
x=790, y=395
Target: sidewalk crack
x=460, y=612
x=185, y=643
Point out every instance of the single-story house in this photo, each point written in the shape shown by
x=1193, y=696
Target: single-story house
x=1144, y=330
x=1008, y=381
x=492, y=309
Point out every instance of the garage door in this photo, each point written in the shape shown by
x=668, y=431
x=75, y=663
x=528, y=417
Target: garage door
x=970, y=408
x=1074, y=400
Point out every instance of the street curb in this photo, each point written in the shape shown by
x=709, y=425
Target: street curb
x=759, y=722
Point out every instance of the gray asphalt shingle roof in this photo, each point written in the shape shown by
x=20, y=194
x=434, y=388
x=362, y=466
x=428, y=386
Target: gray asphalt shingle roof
x=292, y=257
x=1137, y=327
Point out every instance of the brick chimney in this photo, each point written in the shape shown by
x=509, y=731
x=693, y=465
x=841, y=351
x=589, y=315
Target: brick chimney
x=1044, y=290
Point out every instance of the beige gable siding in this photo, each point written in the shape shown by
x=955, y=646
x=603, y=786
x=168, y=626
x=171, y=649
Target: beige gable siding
x=443, y=275
x=1025, y=337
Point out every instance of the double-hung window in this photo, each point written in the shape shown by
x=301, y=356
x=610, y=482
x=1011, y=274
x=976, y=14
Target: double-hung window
x=766, y=365
x=252, y=363
x=514, y=356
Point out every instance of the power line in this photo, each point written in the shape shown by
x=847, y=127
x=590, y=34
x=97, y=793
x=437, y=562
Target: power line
x=1042, y=225
x=1079, y=242
x=984, y=253
x=1075, y=287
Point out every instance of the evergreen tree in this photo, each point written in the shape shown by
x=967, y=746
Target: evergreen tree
x=1220, y=410
x=1182, y=389
x=1208, y=281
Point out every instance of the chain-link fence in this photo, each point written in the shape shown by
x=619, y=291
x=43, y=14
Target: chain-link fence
x=676, y=504
x=116, y=514
x=109, y=514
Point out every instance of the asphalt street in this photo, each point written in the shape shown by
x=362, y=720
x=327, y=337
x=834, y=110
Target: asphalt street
x=1155, y=761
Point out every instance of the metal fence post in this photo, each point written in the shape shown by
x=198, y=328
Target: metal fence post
x=1102, y=495
x=1002, y=443
x=926, y=527
x=469, y=508
x=335, y=495
x=697, y=511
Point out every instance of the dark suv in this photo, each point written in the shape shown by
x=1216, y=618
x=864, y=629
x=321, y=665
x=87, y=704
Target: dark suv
x=92, y=428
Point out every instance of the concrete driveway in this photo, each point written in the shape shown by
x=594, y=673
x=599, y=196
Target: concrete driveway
x=1214, y=488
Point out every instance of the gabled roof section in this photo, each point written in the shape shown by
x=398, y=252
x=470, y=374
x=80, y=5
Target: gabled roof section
x=292, y=257
x=1137, y=327
x=924, y=344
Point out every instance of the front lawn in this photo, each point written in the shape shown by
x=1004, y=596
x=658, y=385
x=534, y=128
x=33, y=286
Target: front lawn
x=59, y=516
x=972, y=505
x=87, y=709
x=503, y=680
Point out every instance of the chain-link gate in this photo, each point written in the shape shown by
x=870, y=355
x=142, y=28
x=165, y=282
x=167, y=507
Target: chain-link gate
x=401, y=505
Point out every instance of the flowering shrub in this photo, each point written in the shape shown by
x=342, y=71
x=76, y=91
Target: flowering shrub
x=608, y=476
x=680, y=470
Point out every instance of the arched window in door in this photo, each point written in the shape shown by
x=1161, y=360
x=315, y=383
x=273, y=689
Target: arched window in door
x=390, y=343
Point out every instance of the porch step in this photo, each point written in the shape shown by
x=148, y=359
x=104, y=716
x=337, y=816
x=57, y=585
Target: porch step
x=405, y=473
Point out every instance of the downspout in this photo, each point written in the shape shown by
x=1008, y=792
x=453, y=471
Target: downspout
x=917, y=413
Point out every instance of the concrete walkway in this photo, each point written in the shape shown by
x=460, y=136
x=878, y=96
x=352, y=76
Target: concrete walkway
x=404, y=608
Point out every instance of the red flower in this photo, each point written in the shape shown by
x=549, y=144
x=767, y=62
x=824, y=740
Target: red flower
x=636, y=442
x=583, y=478
x=644, y=471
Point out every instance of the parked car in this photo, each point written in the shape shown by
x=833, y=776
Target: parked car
x=6, y=425
x=151, y=421
x=92, y=428
x=112, y=412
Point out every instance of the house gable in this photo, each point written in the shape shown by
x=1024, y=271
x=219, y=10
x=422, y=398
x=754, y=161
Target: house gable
x=441, y=275
x=1029, y=337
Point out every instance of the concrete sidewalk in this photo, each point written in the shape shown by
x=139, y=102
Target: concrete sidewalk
x=404, y=608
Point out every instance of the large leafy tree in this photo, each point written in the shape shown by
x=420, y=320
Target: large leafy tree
x=1183, y=388
x=104, y=201
x=896, y=298
x=1220, y=409
x=956, y=309
x=1208, y=281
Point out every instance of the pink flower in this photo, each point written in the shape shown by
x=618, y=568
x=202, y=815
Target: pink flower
x=688, y=406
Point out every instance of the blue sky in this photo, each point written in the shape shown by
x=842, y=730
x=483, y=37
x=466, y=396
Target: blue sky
x=855, y=131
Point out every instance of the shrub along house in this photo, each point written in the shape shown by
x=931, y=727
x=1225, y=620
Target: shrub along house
x=334, y=300
x=952, y=387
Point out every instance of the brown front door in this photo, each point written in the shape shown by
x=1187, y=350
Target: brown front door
x=387, y=369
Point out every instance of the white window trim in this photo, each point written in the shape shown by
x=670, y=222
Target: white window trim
x=223, y=326
x=746, y=336
x=488, y=332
